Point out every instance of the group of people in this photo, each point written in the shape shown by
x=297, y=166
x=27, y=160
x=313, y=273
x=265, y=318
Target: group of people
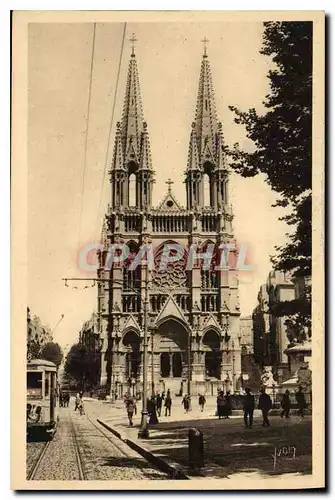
x=265, y=405
x=161, y=399
x=154, y=406
x=224, y=405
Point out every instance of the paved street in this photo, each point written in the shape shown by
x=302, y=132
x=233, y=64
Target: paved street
x=83, y=450
x=230, y=449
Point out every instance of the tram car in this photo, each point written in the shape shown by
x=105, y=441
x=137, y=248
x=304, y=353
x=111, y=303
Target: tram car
x=42, y=398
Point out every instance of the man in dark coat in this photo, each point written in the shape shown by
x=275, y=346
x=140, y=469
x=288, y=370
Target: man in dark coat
x=159, y=401
x=300, y=398
x=248, y=408
x=228, y=405
x=202, y=401
x=286, y=405
x=265, y=404
x=168, y=403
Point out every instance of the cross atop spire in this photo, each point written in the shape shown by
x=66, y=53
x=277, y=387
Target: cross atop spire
x=133, y=40
x=205, y=41
x=169, y=182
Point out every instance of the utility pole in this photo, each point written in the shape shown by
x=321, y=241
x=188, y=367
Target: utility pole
x=143, y=432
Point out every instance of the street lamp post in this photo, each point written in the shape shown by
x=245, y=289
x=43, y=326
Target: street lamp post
x=152, y=366
x=233, y=350
x=143, y=432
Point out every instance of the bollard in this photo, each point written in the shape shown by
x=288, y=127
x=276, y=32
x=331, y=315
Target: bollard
x=195, y=450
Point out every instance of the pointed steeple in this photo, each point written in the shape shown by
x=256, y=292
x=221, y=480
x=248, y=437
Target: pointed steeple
x=132, y=153
x=206, y=148
x=132, y=117
x=206, y=122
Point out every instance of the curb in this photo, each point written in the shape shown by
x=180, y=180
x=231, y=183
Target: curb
x=173, y=471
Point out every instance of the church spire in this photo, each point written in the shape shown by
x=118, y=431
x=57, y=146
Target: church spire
x=206, y=148
x=206, y=122
x=132, y=152
x=132, y=117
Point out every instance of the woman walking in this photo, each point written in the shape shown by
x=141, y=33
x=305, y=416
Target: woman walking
x=186, y=403
x=220, y=402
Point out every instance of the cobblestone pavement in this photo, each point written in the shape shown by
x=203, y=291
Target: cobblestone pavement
x=81, y=450
x=230, y=449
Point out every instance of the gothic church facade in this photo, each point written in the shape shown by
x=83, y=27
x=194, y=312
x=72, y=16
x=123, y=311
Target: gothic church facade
x=193, y=314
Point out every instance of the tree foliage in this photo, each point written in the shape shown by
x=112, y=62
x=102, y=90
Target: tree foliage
x=52, y=352
x=33, y=349
x=282, y=139
x=82, y=365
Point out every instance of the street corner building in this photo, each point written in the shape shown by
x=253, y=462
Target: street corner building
x=193, y=314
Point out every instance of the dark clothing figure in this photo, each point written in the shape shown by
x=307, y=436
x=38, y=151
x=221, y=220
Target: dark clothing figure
x=248, y=408
x=300, y=398
x=228, y=405
x=131, y=408
x=202, y=401
x=286, y=405
x=152, y=410
x=186, y=403
x=159, y=402
x=221, y=405
x=265, y=404
x=168, y=404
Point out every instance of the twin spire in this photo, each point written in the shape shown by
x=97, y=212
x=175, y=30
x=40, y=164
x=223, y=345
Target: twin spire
x=132, y=152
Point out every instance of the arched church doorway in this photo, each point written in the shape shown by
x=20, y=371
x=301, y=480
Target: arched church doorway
x=172, y=344
x=131, y=342
x=213, y=356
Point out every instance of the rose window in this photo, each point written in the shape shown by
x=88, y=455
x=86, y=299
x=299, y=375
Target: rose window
x=172, y=274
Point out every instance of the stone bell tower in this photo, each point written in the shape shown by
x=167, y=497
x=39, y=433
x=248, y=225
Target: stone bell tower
x=193, y=334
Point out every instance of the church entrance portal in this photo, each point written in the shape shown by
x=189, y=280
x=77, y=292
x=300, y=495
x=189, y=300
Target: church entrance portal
x=213, y=357
x=171, y=364
x=172, y=340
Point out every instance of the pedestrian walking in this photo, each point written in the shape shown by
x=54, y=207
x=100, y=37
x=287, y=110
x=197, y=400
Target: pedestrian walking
x=227, y=405
x=220, y=403
x=248, y=408
x=186, y=403
x=77, y=401
x=202, y=401
x=131, y=408
x=152, y=410
x=265, y=404
x=300, y=399
x=159, y=402
x=286, y=404
x=168, y=403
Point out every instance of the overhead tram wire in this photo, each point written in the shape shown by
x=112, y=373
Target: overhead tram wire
x=86, y=133
x=109, y=132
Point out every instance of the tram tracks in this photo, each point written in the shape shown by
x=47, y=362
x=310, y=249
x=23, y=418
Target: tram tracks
x=83, y=450
x=33, y=470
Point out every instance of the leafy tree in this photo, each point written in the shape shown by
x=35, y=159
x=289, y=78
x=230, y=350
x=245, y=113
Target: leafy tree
x=33, y=349
x=52, y=352
x=82, y=365
x=282, y=139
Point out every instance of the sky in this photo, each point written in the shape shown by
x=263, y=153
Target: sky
x=67, y=196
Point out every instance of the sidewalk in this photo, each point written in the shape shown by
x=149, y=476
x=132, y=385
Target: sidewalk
x=230, y=449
